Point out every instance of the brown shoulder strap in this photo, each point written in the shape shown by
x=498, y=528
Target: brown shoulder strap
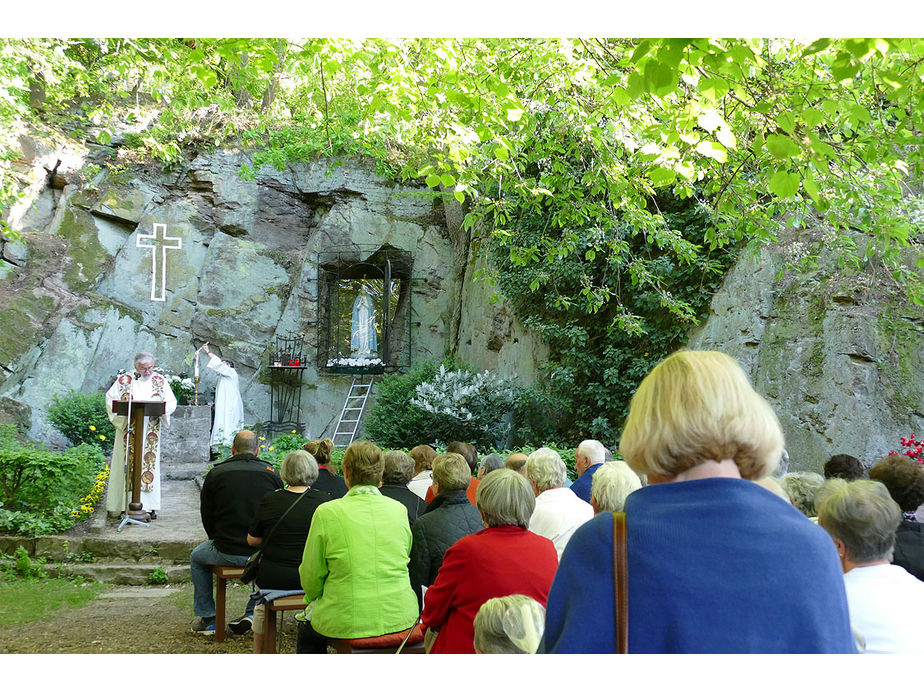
x=621, y=580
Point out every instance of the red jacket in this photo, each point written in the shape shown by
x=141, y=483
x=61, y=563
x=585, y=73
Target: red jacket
x=491, y=563
x=470, y=491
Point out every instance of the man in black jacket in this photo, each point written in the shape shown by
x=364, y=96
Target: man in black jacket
x=230, y=495
x=449, y=517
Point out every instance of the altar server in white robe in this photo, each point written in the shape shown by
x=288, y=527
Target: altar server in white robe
x=229, y=408
x=142, y=385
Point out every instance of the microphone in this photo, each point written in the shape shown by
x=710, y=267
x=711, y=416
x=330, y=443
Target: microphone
x=136, y=375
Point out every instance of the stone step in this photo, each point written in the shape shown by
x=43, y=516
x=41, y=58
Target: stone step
x=119, y=573
x=103, y=548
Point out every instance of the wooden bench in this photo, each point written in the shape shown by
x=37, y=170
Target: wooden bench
x=223, y=573
x=383, y=644
x=294, y=602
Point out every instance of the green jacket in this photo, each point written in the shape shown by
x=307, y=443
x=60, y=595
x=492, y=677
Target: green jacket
x=355, y=566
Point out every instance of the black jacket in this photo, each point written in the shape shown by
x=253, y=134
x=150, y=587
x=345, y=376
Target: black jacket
x=909, y=548
x=448, y=518
x=230, y=495
x=415, y=505
x=330, y=483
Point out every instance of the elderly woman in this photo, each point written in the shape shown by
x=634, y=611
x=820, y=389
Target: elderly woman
x=328, y=481
x=715, y=563
x=559, y=512
x=283, y=549
x=506, y=558
x=886, y=601
x=611, y=485
x=399, y=468
x=354, y=567
x=845, y=467
x=423, y=456
x=509, y=625
x=447, y=519
x=905, y=480
x=489, y=463
x=801, y=488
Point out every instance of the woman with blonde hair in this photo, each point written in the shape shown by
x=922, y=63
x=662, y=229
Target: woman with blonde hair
x=715, y=563
x=327, y=481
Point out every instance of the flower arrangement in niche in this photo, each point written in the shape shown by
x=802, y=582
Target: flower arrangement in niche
x=912, y=448
x=182, y=385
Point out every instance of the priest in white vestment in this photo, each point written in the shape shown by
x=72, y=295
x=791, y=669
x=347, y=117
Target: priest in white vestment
x=229, y=408
x=142, y=385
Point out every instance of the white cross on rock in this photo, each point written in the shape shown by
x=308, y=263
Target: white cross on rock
x=159, y=270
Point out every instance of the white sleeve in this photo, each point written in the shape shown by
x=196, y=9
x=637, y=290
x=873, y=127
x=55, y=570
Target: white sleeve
x=219, y=366
x=111, y=396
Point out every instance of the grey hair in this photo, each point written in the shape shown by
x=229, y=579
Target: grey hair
x=863, y=515
x=299, y=468
x=505, y=497
x=823, y=492
x=801, y=488
x=143, y=356
x=399, y=467
x=545, y=468
x=509, y=625
x=491, y=462
x=611, y=483
x=594, y=450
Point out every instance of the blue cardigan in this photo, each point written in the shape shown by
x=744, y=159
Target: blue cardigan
x=715, y=566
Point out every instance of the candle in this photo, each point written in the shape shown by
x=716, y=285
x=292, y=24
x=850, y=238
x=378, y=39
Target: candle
x=197, y=364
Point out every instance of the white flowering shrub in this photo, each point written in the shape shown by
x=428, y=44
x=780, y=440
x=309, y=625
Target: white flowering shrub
x=466, y=406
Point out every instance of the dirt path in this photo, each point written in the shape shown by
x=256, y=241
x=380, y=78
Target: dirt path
x=132, y=620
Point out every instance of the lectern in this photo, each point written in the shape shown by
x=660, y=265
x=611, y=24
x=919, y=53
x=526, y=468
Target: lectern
x=139, y=410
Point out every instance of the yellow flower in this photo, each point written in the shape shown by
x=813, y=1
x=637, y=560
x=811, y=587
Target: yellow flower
x=271, y=447
x=294, y=431
x=102, y=437
x=92, y=427
x=262, y=438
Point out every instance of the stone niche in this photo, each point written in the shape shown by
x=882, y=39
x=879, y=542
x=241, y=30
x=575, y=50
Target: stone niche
x=365, y=303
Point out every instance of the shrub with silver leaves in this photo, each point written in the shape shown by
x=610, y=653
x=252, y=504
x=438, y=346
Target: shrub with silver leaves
x=469, y=407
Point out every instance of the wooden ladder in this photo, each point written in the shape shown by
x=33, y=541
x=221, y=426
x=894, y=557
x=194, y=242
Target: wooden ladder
x=352, y=412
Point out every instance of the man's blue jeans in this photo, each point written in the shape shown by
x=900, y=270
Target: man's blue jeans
x=201, y=560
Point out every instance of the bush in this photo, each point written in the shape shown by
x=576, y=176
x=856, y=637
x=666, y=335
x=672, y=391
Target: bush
x=42, y=491
x=471, y=407
x=83, y=419
x=274, y=451
x=20, y=566
x=158, y=576
x=393, y=422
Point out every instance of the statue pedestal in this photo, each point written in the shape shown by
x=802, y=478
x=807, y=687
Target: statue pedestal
x=184, y=444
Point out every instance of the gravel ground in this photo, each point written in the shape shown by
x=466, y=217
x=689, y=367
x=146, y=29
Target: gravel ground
x=133, y=620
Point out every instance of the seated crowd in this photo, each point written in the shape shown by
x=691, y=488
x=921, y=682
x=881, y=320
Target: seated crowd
x=497, y=555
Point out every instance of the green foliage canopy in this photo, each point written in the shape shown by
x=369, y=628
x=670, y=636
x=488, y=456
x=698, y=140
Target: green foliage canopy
x=755, y=130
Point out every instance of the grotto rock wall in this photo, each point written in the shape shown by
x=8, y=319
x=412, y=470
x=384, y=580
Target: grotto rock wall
x=76, y=290
x=837, y=352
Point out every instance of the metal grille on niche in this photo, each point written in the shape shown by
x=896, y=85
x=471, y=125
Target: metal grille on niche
x=366, y=311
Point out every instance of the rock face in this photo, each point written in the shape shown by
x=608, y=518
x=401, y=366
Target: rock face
x=838, y=353
x=256, y=263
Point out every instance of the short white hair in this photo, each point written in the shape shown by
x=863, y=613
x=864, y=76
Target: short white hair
x=611, y=483
x=593, y=450
x=545, y=468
